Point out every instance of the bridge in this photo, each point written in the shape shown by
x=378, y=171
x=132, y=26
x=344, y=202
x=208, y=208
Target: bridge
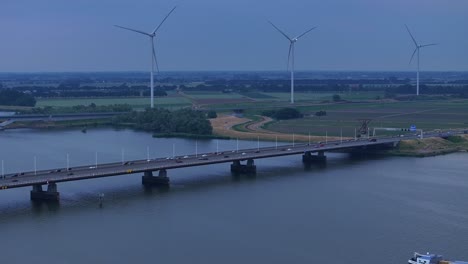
x=7, y=120
x=311, y=153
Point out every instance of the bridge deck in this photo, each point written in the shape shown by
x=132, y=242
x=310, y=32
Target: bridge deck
x=16, y=180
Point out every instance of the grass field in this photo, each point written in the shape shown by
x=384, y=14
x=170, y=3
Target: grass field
x=212, y=95
x=140, y=102
x=344, y=117
x=325, y=96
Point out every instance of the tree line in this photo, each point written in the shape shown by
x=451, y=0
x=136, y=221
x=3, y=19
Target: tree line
x=15, y=98
x=164, y=121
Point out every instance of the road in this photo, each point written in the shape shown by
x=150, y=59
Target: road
x=22, y=179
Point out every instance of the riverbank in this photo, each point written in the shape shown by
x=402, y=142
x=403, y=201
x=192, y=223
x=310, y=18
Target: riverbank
x=253, y=129
x=431, y=146
x=61, y=124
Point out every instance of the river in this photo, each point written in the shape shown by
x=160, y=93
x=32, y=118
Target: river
x=355, y=210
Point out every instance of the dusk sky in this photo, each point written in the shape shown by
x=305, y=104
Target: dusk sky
x=60, y=35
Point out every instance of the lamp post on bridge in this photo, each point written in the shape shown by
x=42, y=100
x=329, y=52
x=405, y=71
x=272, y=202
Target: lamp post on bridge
x=35, y=165
x=122, y=153
x=258, y=143
x=341, y=135
x=147, y=153
x=3, y=170
x=68, y=162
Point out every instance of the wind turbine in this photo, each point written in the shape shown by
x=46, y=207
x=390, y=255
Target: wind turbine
x=418, y=47
x=292, y=43
x=153, y=53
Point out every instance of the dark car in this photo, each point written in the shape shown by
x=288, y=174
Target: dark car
x=373, y=140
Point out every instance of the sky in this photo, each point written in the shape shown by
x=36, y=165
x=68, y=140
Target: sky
x=216, y=35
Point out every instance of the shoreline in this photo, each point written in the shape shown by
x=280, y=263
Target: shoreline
x=224, y=127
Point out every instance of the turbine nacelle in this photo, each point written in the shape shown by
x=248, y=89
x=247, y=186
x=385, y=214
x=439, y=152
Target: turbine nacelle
x=292, y=42
x=154, y=61
x=416, y=50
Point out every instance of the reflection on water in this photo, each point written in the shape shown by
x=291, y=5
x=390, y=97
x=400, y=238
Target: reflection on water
x=364, y=209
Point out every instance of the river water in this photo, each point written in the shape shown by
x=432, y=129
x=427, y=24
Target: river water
x=355, y=210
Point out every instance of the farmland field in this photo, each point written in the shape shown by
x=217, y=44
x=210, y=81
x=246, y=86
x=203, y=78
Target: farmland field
x=139, y=102
x=344, y=117
x=212, y=95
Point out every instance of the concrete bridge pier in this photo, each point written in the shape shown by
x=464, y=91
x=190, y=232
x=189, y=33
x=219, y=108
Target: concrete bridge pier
x=319, y=158
x=249, y=168
x=160, y=181
x=37, y=194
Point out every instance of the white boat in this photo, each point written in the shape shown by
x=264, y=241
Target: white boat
x=431, y=259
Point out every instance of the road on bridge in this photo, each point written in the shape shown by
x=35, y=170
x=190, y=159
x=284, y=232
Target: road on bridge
x=22, y=179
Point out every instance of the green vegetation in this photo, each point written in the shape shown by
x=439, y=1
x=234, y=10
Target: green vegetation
x=10, y=97
x=212, y=95
x=164, y=121
x=321, y=113
x=135, y=102
x=431, y=146
x=283, y=113
x=257, y=95
x=242, y=127
x=92, y=108
x=211, y=114
x=344, y=117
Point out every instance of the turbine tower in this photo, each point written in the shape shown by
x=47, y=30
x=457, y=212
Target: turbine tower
x=292, y=43
x=153, y=53
x=418, y=47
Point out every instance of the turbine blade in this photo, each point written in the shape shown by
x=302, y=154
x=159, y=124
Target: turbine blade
x=160, y=24
x=154, y=55
x=306, y=32
x=412, y=56
x=415, y=43
x=134, y=30
x=289, y=56
x=426, y=45
x=284, y=34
